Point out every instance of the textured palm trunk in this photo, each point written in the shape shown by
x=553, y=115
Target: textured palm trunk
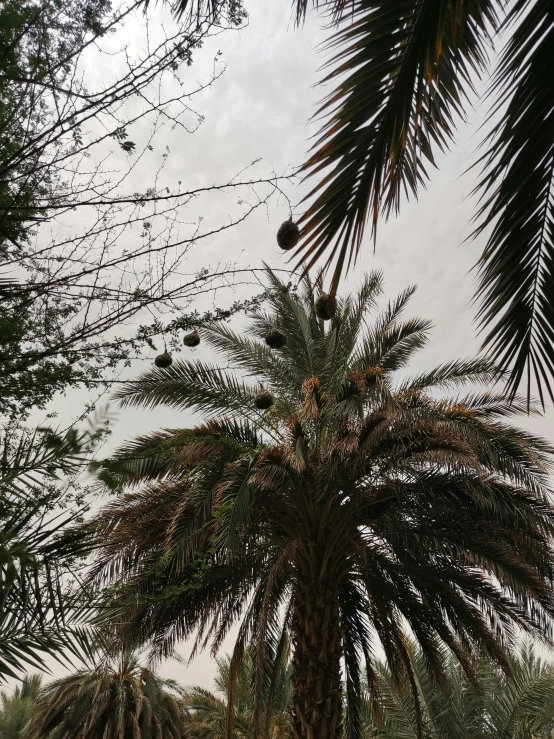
x=317, y=699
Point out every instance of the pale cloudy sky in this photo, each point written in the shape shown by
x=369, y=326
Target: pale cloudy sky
x=259, y=109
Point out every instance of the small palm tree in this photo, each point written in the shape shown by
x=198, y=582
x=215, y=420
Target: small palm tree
x=518, y=706
x=17, y=708
x=121, y=701
x=208, y=711
x=360, y=500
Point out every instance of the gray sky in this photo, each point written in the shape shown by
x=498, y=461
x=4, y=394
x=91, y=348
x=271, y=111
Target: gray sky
x=259, y=109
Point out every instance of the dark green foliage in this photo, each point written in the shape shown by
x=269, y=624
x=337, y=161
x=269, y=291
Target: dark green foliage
x=208, y=711
x=44, y=609
x=16, y=709
x=516, y=270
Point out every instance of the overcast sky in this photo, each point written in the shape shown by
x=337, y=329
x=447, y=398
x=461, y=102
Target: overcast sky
x=259, y=109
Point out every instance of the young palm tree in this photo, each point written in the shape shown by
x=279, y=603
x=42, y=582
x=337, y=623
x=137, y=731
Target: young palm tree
x=362, y=500
x=110, y=702
x=517, y=707
x=16, y=709
x=404, y=73
x=208, y=711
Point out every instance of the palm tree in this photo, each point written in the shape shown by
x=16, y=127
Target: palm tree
x=404, y=72
x=520, y=706
x=17, y=708
x=208, y=711
x=360, y=501
x=120, y=701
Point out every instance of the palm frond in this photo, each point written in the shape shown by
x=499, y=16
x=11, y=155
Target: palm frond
x=40, y=613
x=403, y=70
x=516, y=270
x=480, y=370
x=187, y=385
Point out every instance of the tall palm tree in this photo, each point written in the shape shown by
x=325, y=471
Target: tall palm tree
x=520, y=706
x=208, y=711
x=112, y=701
x=16, y=709
x=361, y=500
x=404, y=73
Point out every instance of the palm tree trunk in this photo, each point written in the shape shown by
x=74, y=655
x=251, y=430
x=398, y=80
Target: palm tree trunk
x=317, y=644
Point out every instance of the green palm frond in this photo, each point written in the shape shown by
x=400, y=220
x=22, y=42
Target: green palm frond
x=403, y=71
x=514, y=706
x=208, y=711
x=188, y=385
x=16, y=708
x=41, y=613
x=516, y=270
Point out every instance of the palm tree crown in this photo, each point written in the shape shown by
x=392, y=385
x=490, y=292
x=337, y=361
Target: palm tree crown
x=362, y=500
x=123, y=701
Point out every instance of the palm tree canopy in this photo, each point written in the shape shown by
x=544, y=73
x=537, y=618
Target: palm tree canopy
x=520, y=706
x=122, y=701
x=362, y=500
x=208, y=711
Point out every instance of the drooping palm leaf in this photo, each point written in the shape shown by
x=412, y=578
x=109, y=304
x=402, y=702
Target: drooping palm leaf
x=208, y=711
x=516, y=270
x=197, y=12
x=403, y=71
